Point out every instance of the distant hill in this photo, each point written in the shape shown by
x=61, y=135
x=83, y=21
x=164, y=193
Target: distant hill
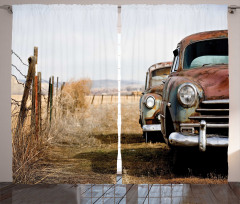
x=107, y=83
x=17, y=89
x=109, y=87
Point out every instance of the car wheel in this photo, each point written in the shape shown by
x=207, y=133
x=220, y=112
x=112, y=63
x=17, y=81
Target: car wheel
x=153, y=137
x=169, y=128
x=178, y=161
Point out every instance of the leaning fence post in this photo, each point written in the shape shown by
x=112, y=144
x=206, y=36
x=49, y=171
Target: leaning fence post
x=93, y=99
x=102, y=99
x=22, y=113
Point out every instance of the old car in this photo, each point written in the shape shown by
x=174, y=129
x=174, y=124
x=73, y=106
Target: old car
x=151, y=99
x=195, y=104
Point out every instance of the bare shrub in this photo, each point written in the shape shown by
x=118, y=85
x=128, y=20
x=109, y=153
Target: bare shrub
x=75, y=121
x=27, y=149
x=73, y=95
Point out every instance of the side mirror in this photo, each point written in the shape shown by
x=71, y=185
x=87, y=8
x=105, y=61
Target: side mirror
x=175, y=52
x=163, y=81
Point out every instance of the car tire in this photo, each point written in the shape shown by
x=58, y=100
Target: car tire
x=153, y=137
x=169, y=128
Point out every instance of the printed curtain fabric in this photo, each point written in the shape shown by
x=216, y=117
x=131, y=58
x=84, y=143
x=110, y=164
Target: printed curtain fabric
x=74, y=40
x=67, y=111
x=72, y=102
x=150, y=33
x=150, y=107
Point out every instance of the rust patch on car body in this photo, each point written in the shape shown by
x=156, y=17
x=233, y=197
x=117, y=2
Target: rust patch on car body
x=161, y=70
x=211, y=82
x=214, y=80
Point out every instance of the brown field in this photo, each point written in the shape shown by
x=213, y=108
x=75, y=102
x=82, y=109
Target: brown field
x=82, y=148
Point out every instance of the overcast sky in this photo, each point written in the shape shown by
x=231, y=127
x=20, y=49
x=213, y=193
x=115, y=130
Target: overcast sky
x=78, y=41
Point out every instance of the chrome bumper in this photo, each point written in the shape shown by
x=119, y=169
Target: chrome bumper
x=178, y=139
x=151, y=128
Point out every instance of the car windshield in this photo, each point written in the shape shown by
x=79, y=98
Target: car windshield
x=158, y=75
x=208, y=52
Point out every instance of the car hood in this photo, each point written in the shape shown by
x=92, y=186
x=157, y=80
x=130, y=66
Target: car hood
x=214, y=80
x=156, y=89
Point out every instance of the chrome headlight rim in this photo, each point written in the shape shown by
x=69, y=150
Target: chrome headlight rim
x=195, y=94
x=153, y=101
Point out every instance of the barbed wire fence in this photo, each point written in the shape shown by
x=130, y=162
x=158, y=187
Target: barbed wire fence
x=30, y=119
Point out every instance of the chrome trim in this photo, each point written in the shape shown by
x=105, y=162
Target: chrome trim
x=178, y=139
x=217, y=125
x=195, y=91
x=162, y=115
x=209, y=125
x=211, y=110
x=169, y=104
x=151, y=128
x=202, y=140
x=209, y=117
x=223, y=101
x=187, y=128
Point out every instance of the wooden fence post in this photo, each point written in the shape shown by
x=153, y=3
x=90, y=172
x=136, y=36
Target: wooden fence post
x=62, y=105
x=36, y=107
x=51, y=101
x=102, y=99
x=52, y=96
x=33, y=119
x=22, y=113
x=93, y=99
x=57, y=95
x=48, y=101
x=40, y=101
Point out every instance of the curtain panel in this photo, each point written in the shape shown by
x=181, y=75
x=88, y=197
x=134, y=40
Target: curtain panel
x=150, y=33
x=71, y=104
x=73, y=40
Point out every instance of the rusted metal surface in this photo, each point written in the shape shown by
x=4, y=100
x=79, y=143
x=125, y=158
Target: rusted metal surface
x=199, y=37
x=149, y=116
x=211, y=83
x=164, y=69
x=214, y=80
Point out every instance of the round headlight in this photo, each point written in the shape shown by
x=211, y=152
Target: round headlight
x=150, y=102
x=187, y=94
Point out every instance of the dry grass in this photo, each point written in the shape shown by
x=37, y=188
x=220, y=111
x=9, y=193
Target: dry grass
x=73, y=95
x=77, y=121
x=82, y=145
x=27, y=147
x=153, y=162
